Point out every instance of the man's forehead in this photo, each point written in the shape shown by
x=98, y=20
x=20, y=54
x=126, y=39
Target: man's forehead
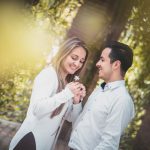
x=106, y=51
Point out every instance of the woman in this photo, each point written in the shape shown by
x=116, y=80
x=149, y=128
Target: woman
x=55, y=97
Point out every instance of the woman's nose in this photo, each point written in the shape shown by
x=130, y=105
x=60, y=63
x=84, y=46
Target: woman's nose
x=77, y=63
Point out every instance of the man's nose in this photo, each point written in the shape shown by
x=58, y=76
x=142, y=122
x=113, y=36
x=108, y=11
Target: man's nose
x=98, y=64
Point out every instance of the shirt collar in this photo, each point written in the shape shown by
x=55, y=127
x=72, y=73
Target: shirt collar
x=112, y=85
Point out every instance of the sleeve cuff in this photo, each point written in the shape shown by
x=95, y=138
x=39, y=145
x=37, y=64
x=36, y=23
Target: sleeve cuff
x=68, y=92
x=77, y=106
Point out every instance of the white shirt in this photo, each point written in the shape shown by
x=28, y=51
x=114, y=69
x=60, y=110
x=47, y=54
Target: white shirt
x=104, y=118
x=44, y=100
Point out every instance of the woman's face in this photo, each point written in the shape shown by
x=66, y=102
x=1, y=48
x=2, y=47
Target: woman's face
x=74, y=61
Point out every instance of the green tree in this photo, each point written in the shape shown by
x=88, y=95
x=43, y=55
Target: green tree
x=137, y=34
x=28, y=32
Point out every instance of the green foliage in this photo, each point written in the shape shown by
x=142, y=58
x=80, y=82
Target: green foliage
x=55, y=18
x=59, y=14
x=137, y=35
x=27, y=36
x=15, y=91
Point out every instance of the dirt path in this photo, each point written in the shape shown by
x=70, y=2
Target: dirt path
x=8, y=129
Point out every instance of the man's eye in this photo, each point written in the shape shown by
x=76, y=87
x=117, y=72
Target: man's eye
x=81, y=62
x=101, y=58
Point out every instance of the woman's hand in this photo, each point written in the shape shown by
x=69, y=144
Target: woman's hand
x=74, y=87
x=79, y=96
x=78, y=90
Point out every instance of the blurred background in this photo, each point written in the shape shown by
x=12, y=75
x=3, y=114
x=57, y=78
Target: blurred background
x=30, y=34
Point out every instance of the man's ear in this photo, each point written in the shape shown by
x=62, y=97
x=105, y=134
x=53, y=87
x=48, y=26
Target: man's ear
x=116, y=64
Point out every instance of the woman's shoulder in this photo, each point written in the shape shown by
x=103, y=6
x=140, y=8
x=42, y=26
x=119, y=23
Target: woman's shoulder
x=48, y=72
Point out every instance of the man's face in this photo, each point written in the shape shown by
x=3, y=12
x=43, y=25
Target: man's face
x=104, y=65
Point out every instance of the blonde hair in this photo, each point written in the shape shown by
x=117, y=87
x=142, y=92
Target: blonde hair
x=64, y=50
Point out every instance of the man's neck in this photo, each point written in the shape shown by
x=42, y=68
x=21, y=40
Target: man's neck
x=115, y=79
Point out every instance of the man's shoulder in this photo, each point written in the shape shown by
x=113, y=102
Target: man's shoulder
x=121, y=93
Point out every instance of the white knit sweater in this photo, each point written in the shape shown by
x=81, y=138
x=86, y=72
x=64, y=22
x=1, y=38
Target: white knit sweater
x=44, y=100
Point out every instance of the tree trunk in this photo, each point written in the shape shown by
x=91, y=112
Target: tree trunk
x=142, y=141
x=97, y=22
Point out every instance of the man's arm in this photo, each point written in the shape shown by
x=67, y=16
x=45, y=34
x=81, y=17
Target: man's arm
x=118, y=119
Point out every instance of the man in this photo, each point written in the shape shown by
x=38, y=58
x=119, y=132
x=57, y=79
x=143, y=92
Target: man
x=109, y=108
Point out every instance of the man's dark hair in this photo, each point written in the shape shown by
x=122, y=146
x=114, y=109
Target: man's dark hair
x=121, y=52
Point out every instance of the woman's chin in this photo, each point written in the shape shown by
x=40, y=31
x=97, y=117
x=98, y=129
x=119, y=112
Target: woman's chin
x=71, y=71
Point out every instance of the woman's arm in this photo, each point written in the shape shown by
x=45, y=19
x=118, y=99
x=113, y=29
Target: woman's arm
x=44, y=98
x=77, y=105
x=73, y=112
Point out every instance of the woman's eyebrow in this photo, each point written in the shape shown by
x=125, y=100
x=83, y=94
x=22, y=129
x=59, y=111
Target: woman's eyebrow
x=75, y=55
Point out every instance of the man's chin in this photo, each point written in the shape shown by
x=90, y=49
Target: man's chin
x=101, y=77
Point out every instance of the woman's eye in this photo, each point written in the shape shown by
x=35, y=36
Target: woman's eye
x=74, y=58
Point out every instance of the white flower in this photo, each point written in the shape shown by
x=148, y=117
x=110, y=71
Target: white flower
x=76, y=78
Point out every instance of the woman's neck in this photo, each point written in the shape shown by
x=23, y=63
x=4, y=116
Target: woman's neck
x=63, y=76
